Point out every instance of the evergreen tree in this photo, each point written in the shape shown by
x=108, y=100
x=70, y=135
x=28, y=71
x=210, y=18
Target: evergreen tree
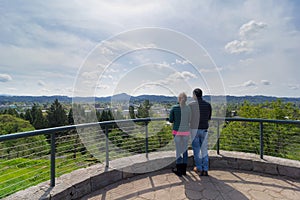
x=11, y=111
x=106, y=116
x=28, y=116
x=56, y=115
x=98, y=114
x=131, y=112
x=37, y=118
x=144, y=109
x=70, y=117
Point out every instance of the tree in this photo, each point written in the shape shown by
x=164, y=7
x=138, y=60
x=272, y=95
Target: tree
x=143, y=110
x=131, y=112
x=106, y=116
x=28, y=116
x=56, y=115
x=70, y=117
x=11, y=111
x=279, y=139
x=37, y=118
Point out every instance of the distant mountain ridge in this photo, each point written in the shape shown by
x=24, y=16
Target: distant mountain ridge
x=4, y=99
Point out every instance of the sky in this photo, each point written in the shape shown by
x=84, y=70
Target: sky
x=100, y=48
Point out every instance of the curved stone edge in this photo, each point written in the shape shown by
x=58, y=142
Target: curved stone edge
x=87, y=180
x=252, y=162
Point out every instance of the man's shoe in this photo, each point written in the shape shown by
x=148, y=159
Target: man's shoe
x=204, y=173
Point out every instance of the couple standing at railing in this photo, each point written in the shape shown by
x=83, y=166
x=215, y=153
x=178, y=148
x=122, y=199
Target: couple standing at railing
x=191, y=120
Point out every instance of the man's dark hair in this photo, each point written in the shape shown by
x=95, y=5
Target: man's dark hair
x=198, y=92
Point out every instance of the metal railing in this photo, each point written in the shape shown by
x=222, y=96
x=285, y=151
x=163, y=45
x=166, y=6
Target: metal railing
x=146, y=143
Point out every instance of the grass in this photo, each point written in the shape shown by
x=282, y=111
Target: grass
x=20, y=173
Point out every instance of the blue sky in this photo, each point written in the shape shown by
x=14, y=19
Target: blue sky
x=255, y=46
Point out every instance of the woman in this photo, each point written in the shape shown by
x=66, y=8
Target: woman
x=180, y=117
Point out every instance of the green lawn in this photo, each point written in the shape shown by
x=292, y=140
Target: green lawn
x=20, y=173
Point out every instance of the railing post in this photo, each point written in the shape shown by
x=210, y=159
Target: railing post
x=218, y=137
x=261, y=139
x=146, y=139
x=106, y=147
x=52, y=173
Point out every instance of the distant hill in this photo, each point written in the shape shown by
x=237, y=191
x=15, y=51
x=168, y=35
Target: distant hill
x=33, y=99
x=4, y=99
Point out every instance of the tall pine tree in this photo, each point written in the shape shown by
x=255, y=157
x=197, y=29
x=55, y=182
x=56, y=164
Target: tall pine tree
x=56, y=115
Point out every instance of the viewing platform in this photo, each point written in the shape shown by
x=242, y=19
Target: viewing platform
x=233, y=175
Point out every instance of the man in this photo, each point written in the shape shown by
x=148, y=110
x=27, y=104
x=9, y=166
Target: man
x=200, y=115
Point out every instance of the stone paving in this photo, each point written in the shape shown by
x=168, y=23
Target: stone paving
x=220, y=184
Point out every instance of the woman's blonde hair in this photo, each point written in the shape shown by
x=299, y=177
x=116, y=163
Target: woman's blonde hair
x=182, y=99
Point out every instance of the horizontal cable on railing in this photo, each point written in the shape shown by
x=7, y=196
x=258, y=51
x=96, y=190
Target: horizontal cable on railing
x=15, y=153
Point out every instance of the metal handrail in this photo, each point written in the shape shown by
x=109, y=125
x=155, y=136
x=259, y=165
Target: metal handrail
x=105, y=124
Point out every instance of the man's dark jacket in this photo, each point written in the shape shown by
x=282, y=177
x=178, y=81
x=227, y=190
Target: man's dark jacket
x=201, y=114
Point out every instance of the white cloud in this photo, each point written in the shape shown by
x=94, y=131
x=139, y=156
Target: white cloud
x=265, y=82
x=91, y=75
x=41, y=83
x=162, y=65
x=251, y=29
x=237, y=47
x=249, y=83
x=294, y=86
x=5, y=78
x=182, y=62
x=247, y=41
x=188, y=75
x=185, y=75
x=103, y=86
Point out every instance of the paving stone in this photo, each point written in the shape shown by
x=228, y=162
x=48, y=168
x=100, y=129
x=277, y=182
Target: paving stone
x=147, y=195
x=291, y=194
x=173, y=179
x=192, y=194
x=210, y=193
x=162, y=194
x=142, y=184
x=159, y=180
x=177, y=192
x=274, y=194
x=260, y=195
x=195, y=186
x=158, y=186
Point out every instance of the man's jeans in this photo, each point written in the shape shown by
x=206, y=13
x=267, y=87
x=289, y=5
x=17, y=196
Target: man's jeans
x=199, y=144
x=181, y=144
